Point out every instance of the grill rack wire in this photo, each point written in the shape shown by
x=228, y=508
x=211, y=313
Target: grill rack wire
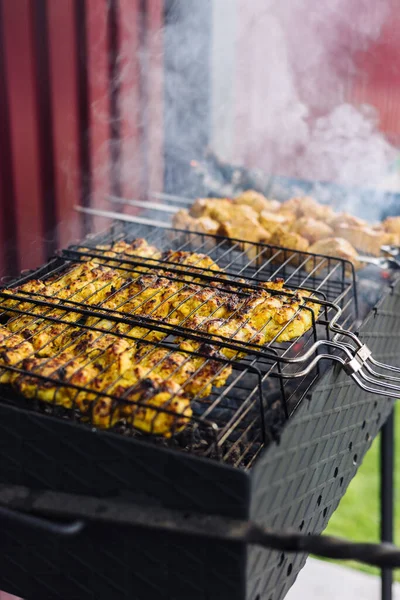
x=235, y=422
x=242, y=417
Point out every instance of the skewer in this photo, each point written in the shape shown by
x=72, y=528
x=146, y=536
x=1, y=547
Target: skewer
x=120, y=216
x=144, y=204
x=171, y=197
x=390, y=258
x=383, y=262
x=380, y=262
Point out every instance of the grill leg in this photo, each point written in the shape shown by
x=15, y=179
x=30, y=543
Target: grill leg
x=387, y=501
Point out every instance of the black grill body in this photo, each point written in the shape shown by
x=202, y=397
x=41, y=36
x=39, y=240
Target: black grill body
x=296, y=484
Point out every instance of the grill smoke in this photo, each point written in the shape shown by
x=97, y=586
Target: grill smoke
x=296, y=66
x=265, y=83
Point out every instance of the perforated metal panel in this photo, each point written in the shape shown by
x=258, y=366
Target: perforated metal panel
x=298, y=484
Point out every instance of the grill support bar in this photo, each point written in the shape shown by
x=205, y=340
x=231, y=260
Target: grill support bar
x=387, y=498
x=155, y=517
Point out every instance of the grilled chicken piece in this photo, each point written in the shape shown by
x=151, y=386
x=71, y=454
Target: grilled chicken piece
x=172, y=303
x=344, y=219
x=365, y=239
x=35, y=286
x=305, y=206
x=13, y=350
x=288, y=239
x=245, y=227
x=392, y=225
x=138, y=249
x=199, y=301
x=233, y=329
x=146, y=297
x=189, y=259
x=191, y=264
x=182, y=220
x=257, y=201
x=79, y=364
x=138, y=407
x=215, y=208
x=88, y=283
x=291, y=240
x=262, y=318
x=196, y=375
x=237, y=220
x=335, y=247
x=143, y=296
x=271, y=220
x=282, y=318
x=311, y=229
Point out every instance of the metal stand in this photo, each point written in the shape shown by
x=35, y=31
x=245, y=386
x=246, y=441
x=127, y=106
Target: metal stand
x=387, y=498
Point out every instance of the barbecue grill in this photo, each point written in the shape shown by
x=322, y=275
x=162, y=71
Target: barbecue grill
x=100, y=512
x=278, y=442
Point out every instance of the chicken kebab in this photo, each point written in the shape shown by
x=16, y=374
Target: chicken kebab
x=94, y=338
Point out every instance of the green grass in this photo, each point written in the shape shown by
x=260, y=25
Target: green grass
x=357, y=517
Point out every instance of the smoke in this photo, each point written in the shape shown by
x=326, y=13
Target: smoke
x=299, y=68
x=265, y=83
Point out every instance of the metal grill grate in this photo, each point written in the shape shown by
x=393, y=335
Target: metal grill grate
x=97, y=298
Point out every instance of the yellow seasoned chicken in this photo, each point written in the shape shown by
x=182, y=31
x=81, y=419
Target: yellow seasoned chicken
x=13, y=350
x=305, y=206
x=311, y=229
x=257, y=201
x=107, y=366
x=335, y=247
x=392, y=225
x=112, y=367
x=182, y=220
x=214, y=208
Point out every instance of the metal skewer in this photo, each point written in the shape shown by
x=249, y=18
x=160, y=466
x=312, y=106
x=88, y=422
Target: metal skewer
x=98, y=212
x=144, y=204
x=381, y=262
x=171, y=197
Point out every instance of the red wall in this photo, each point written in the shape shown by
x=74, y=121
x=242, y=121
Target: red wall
x=315, y=62
x=378, y=78
x=62, y=83
x=61, y=101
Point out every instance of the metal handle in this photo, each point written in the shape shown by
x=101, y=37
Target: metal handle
x=61, y=529
x=159, y=518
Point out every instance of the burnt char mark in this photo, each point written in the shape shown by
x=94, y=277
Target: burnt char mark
x=209, y=350
x=4, y=357
x=178, y=256
x=233, y=302
x=170, y=363
x=82, y=345
x=61, y=373
x=138, y=243
x=75, y=334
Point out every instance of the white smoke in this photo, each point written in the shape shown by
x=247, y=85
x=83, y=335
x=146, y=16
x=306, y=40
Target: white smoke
x=281, y=74
x=300, y=65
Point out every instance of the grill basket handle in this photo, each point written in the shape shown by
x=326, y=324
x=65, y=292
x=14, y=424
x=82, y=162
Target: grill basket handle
x=40, y=524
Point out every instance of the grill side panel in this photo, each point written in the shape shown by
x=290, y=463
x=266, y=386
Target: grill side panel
x=112, y=562
x=298, y=484
x=105, y=561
